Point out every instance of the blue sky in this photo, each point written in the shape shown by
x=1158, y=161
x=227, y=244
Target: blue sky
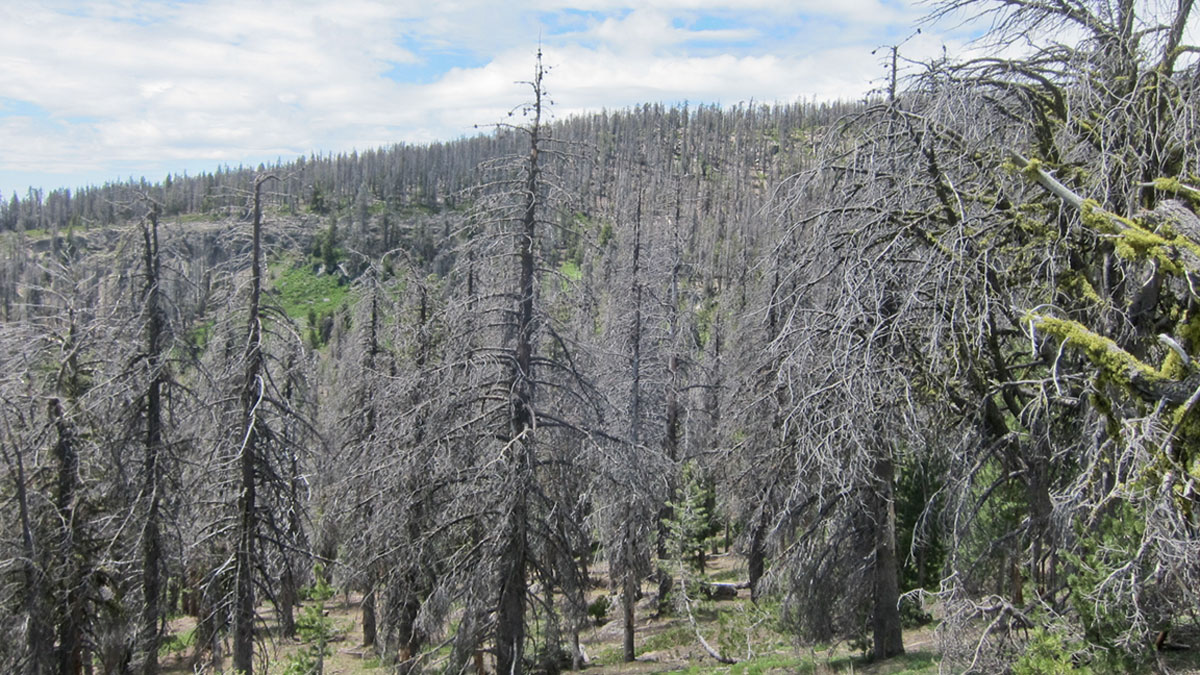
x=108, y=89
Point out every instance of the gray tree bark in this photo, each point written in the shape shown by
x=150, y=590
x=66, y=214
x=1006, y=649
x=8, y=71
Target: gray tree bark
x=251, y=398
x=151, y=614
x=887, y=637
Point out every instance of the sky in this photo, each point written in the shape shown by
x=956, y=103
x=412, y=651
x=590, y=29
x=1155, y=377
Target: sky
x=103, y=90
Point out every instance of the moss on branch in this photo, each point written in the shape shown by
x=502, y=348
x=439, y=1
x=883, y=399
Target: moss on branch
x=1176, y=254
x=1174, y=187
x=1117, y=364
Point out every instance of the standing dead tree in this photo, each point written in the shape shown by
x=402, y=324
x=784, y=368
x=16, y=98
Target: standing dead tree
x=392, y=481
x=538, y=403
x=477, y=484
x=632, y=481
x=258, y=429
x=155, y=342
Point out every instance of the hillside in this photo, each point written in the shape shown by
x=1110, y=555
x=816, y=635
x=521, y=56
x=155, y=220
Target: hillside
x=912, y=379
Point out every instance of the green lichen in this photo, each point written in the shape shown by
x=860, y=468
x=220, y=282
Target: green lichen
x=1187, y=333
x=1174, y=187
x=1183, y=242
x=1078, y=285
x=936, y=243
x=1135, y=244
x=1034, y=226
x=1179, y=418
x=1188, y=329
x=1117, y=364
x=1032, y=169
x=1104, y=221
x=1180, y=454
x=1133, y=241
x=1172, y=367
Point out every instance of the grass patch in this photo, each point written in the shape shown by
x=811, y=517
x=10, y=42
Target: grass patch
x=183, y=218
x=675, y=636
x=915, y=663
x=910, y=663
x=299, y=289
x=609, y=656
x=198, y=335
x=571, y=271
x=770, y=663
x=177, y=642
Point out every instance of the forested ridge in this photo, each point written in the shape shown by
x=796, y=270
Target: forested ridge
x=925, y=357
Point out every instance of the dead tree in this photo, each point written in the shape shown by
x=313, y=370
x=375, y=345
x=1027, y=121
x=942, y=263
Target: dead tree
x=258, y=431
x=152, y=485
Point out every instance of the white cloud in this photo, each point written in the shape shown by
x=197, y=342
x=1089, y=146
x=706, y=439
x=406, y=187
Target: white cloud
x=647, y=31
x=106, y=85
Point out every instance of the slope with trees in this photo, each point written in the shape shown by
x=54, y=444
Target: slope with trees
x=938, y=345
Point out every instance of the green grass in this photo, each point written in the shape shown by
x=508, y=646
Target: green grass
x=199, y=333
x=675, y=636
x=915, y=663
x=299, y=289
x=192, y=218
x=608, y=656
x=177, y=642
x=33, y=233
x=911, y=663
x=571, y=273
x=768, y=663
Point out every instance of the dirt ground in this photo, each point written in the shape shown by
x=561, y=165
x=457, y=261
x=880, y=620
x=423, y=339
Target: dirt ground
x=663, y=644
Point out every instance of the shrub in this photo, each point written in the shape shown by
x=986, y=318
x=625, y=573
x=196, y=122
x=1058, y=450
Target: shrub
x=598, y=609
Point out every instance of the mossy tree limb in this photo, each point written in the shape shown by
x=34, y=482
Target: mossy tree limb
x=1177, y=254
x=1119, y=366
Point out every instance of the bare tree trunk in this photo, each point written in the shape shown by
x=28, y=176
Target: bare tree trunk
x=71, y=617
x=628, y=599
x=151, y=537
x=510, y=620
x=368, y=617
x=671, y=448
x=551, y=659
x=671, y=438
x=243, y=615
x=287, y=601
x=1040, y=508
x=755, y=558
x=888, y=639
x=39, y=636
x=629, y=581
x=289, y=595
x=408, y=635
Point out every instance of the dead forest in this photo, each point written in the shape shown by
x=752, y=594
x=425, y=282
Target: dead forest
x=921, y=359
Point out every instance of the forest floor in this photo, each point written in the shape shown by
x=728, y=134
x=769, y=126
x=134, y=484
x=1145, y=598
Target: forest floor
x=665, y=644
